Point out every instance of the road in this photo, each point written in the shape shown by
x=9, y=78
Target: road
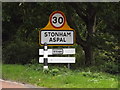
x=10, y=84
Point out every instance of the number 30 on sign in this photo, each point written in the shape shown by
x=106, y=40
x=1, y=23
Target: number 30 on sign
x=57, y=19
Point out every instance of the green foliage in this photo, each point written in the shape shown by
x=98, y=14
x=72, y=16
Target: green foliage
x=35, y=66
x=94, y=75
x=62, y=78
x=107, y=62
x=54, y=71
x=111, y=67
x=19, y=52
x=20, y=32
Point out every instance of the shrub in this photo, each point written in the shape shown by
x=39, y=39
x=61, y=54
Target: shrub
x=54, y=71
x=19, y=52
x=111, y=67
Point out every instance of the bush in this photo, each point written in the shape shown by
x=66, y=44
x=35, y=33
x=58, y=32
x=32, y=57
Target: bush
x=80, y=58
x=19, y=52
x=111, y=67
x=54, y=71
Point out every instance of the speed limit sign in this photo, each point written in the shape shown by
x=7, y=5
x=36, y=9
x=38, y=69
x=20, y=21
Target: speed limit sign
x=57, y=32
x=57, y=19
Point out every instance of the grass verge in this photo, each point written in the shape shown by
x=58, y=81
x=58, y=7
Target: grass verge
x=58, y=77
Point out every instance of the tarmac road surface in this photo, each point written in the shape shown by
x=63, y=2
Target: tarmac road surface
x=10, y=84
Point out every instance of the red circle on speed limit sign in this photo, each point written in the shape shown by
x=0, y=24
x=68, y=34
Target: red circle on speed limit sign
x=57, y=19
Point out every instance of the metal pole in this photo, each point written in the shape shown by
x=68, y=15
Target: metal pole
x=68, y=63
x=45, y=67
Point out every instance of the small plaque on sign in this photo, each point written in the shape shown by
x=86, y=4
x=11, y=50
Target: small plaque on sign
x=57, y=51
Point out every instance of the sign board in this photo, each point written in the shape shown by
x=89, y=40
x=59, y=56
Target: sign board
x=57, y=32
x=57, y=51
x=57, y=37
x=65, y=51
x=58, y=59
x=57, y=19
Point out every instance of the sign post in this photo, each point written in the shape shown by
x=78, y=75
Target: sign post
x=45, y=57
x=56, y=33
x=68, y=63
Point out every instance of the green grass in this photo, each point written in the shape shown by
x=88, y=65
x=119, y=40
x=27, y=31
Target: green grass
x=58, y=78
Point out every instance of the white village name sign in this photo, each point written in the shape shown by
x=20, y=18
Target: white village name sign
x=56, y=33
x=57, y=37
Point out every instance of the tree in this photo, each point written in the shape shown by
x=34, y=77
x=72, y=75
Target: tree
x=92, y=15
x=88, y=15
x=91, y=22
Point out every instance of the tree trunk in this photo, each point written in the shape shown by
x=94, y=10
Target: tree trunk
x=88, y=55
x=88, y=49
x=89, y=17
